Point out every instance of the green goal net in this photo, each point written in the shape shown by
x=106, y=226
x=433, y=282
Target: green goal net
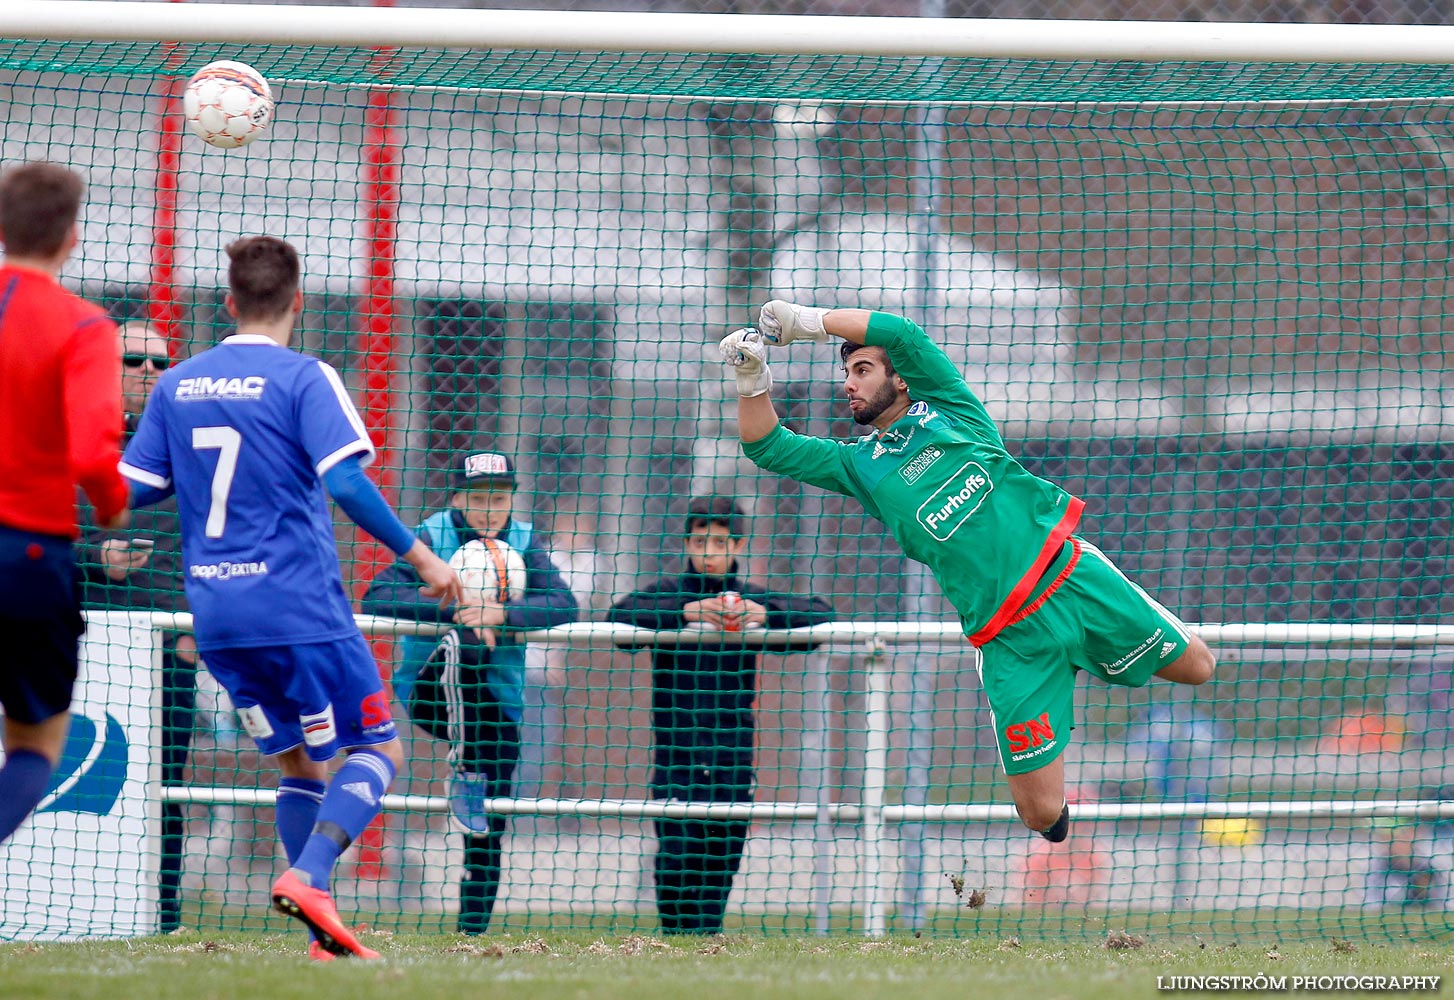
x=1211, y=298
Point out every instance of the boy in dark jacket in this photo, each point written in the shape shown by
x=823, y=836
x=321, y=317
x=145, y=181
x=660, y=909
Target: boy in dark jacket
x=467, y=686
x=702, y=708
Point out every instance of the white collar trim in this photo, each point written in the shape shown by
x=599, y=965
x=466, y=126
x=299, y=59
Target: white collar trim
x=251, y=338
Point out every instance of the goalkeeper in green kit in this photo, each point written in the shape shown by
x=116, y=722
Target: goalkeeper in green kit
x=1039, y=602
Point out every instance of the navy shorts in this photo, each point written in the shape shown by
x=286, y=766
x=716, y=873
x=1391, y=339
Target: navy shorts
x=323, y=696
x=40, y=619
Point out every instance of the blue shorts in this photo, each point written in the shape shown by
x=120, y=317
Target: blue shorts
x=40, y=618
x=324, y=696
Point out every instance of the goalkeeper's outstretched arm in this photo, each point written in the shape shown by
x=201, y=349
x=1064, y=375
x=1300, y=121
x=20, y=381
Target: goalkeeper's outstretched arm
x=779, y=323
x=818, y=461
x=755, y=417
x=745, y=352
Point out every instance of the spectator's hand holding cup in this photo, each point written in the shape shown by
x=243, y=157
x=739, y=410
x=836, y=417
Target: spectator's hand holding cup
x=707, y=611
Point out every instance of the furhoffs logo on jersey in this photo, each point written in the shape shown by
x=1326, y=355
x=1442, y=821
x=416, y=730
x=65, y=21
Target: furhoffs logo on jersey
x=204, y=387
x=915, y=467
x=1030, y=738
x=955, y=500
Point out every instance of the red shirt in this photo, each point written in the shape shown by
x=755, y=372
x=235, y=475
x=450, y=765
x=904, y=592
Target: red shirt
x=60, y=405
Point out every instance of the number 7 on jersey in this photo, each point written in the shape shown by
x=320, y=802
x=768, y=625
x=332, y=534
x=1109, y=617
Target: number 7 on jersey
x=228, y=442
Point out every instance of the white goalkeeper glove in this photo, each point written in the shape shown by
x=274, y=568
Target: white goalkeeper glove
x=782, y=323
x=746, y=352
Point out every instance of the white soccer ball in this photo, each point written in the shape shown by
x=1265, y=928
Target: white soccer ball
x=491, y=568
x=228, y=104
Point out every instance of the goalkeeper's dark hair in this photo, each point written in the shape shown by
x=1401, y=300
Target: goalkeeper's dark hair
x=39, y=203
x=848, y=348
x=262, y=276
x=724, y=511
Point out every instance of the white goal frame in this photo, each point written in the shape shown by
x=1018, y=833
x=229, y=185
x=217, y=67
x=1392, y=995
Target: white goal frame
x=588, y=31
x=58, y=20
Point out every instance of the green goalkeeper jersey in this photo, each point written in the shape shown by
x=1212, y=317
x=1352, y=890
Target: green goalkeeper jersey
x=941, y=480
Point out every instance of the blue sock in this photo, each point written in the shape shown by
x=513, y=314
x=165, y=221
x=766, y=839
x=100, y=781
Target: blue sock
x=298, y=801
x=23, y=781
x=353, y=799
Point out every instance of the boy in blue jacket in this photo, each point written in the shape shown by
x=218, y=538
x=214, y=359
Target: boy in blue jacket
x=466, y=687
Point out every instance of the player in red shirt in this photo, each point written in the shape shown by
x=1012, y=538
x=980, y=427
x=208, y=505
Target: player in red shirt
x=60, y=419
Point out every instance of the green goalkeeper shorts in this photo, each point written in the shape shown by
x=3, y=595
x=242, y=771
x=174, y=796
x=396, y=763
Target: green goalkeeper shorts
x=1089, y=618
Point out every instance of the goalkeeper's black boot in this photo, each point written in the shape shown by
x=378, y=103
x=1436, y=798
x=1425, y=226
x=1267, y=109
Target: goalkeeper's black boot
x=1060, y=829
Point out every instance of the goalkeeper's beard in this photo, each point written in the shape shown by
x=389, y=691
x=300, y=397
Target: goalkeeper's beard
x=875, y=405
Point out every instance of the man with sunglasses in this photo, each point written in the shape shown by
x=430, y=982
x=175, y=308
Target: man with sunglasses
x=140, y=569
x=111, y=560
x=144, y=356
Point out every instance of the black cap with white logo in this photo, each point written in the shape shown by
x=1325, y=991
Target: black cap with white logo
x=484, y=468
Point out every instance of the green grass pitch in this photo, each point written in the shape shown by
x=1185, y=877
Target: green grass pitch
x=195, y=965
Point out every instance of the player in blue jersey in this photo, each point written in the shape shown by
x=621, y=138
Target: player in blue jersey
x=248, y=435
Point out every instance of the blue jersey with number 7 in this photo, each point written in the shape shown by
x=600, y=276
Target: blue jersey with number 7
x=243, y=434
